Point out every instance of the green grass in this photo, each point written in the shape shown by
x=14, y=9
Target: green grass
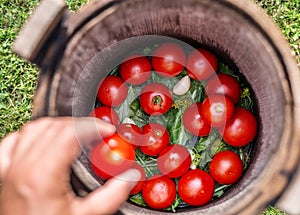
x=75, y=4
x=286, y=15
x=273, y=211
x=18, y=78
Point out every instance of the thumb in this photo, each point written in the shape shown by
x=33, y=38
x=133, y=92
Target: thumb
x=108, y=198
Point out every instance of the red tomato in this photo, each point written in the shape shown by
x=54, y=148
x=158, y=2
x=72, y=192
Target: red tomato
x=131, y=133
x=241, y=129
x=140, y=184
x=106, y=114
x=154, y=139
x=168, y=59
x=159, y=192
x=112, y=91
x=136, y=70
x=112, y=156
x=201, y=64
x=226, y=167
x=174, y=161
x=224, y=84
x=217, y=110
x=193, y=121
x=196, y=187
x=156, y=99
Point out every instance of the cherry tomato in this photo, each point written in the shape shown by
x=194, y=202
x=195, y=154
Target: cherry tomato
x=193, y=121
x=112, y=156
x=131, y=133
x=136, y=70
x=241, y=129
x=168, y=59
x=106, y=114
x=174, y=161
x=217, y=110
x=156, y=99
x=112, y=91
x=201, y=64
x=226, y=167
x=196, y=187
x=140, y=184
x=159, y=192
x=154, y=139
x=224, y=84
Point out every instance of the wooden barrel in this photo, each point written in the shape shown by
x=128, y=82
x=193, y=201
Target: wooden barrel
x=71, y=49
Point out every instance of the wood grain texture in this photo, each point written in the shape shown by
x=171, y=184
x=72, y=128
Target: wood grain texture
x=238, y=32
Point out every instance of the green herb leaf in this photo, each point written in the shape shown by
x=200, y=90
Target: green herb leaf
x=158, y=119
x=244, y=154
x=140, y=117
x=147, y=162
x=124, y=110
x=206, y=148
x=114, y=71
x=246, y=100
x=204, y=142
x=138, y=199
x=135, y=105
x=225, y=69
x=137, y=110
x=147, y=51
x=177, y=132
x=197, y=91
x=220, y=190
x=175, y=204
x=217, y=146
x=169, y=82
x=201, y=156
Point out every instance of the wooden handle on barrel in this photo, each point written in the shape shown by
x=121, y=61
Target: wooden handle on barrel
x=34, y=36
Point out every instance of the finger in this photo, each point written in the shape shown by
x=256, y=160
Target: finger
x=7, y=147
x=83, y=132
x=91, y=129
x=63, y=140
x=112, y=194
x=33, y=132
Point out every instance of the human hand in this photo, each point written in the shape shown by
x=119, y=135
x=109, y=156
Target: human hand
x=35, y=169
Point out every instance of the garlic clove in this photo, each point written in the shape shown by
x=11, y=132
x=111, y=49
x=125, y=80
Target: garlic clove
x=182, y=86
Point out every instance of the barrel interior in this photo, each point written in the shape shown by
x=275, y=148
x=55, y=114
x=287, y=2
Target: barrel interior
x=225, y=30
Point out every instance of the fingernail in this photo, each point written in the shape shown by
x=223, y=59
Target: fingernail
x=131, y=175
x=109, y=127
